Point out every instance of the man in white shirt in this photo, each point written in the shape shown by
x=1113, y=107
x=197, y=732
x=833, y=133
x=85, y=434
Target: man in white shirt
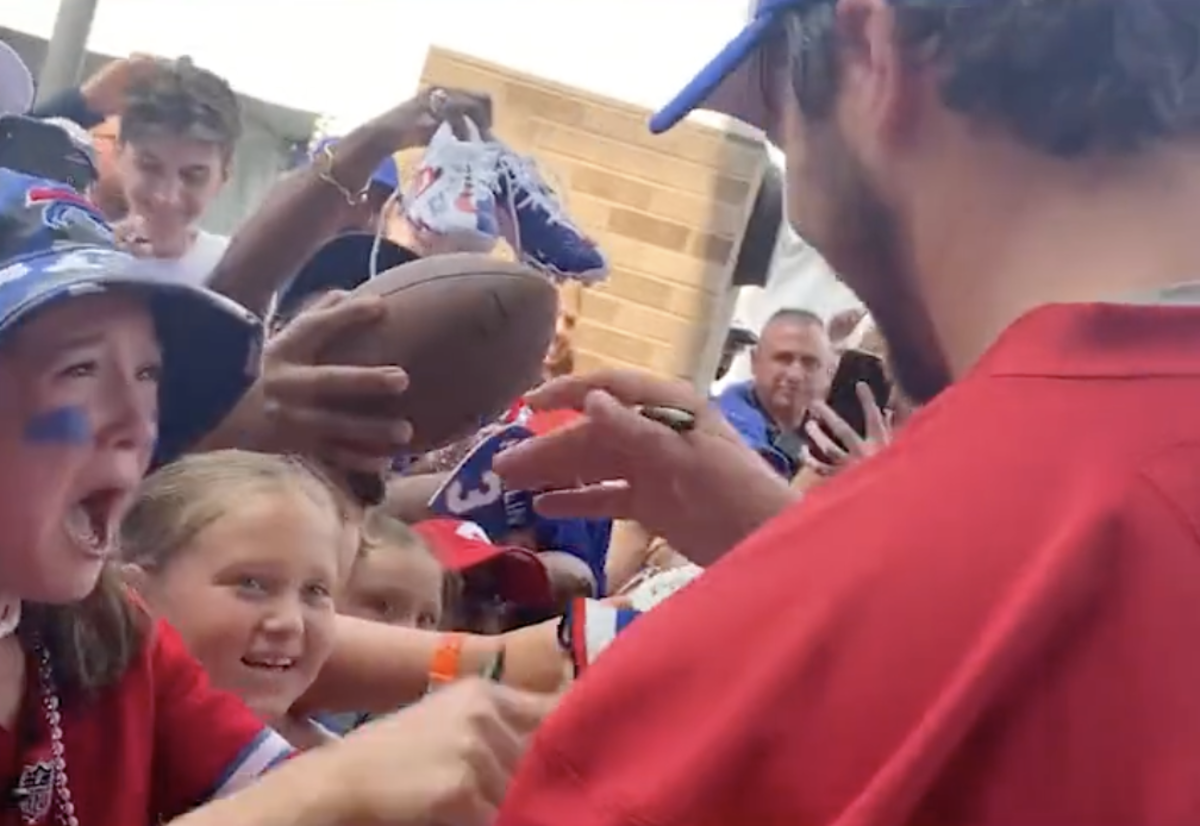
x=174, y=151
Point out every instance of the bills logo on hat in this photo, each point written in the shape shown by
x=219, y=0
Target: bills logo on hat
x=475, y=493
x=64, y=209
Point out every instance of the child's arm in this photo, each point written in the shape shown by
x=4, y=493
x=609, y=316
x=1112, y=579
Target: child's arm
x=376, y=667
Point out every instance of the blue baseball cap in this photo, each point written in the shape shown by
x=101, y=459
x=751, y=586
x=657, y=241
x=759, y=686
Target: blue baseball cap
x=55, y=245
x=386, y=175
x=732, y=82
x=341, y=264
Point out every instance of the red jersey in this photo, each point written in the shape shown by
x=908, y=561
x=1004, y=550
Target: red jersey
x=994, y=622
x=155, y=745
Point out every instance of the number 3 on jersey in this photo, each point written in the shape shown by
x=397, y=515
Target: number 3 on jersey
x=461, y=499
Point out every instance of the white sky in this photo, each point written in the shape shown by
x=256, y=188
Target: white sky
x=353, y=58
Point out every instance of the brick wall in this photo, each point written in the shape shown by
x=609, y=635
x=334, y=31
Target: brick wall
x=668, y=211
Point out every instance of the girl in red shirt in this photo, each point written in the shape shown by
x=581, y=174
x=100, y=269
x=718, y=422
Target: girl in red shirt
x=104, y=718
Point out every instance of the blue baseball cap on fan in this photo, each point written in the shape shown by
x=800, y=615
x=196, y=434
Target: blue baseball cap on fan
x=55, y=246
x=732, y=82
x=341, y=264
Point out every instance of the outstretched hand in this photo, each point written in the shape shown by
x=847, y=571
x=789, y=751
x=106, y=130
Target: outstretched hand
x=703, y=490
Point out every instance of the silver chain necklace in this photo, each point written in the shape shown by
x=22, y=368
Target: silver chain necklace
x=52, y=708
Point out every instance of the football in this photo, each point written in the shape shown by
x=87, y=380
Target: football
x=471, y=332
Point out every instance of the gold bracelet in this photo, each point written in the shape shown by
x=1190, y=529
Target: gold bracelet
x=323, y=164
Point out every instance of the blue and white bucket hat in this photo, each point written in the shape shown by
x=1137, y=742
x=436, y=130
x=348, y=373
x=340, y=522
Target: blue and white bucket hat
x=55, y=245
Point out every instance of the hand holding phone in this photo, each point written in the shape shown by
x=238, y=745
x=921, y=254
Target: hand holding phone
x=850, y=424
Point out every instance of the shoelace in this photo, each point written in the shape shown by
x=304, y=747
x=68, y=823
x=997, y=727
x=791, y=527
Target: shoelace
x=485, y=174
x=522, y=173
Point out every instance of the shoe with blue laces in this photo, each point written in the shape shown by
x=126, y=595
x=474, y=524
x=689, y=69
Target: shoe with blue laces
x=539, y=229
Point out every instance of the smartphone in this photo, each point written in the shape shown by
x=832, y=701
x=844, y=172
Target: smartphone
x=44, y=150
x=855, y=368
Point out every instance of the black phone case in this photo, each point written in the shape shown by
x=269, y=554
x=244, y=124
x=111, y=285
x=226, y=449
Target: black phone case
x=855, y=367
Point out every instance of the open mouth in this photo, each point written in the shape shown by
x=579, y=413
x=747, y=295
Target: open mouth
x=269, y=663
x=92, y=522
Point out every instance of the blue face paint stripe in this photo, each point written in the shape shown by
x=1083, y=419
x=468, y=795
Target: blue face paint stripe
x=67, y=425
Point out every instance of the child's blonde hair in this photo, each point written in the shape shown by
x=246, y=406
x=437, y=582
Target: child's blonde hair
x=180, y=500
x=382, y=530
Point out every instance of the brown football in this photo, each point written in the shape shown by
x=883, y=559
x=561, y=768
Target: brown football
x=471, y=332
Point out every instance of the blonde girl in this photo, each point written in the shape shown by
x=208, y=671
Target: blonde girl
x=244, y=553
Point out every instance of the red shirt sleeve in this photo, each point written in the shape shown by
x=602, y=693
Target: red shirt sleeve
x=207, y=742
x=940, y=645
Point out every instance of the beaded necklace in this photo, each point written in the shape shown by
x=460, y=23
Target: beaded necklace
x=35, y=800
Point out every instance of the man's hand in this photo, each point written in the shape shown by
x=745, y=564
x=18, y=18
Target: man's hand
x=330, y=411
x=106, y=91
x=446, y=759
x=417, y=119
x=857, y=448
x=703, y=490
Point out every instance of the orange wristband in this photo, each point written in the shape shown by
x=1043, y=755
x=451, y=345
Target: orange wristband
x=447, y=660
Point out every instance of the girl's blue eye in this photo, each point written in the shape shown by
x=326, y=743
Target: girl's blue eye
x=252, y=584
x=317, y=590
x=151, y=372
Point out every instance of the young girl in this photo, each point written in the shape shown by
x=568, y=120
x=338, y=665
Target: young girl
x=396, y=579
x=243, y=554
x=104, y=718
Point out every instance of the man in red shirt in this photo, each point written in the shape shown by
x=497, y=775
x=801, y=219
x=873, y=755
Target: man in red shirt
x=995, y=620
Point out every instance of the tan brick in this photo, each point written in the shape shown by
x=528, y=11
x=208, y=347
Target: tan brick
x=688, y=141
x=670, y=266
x=720, y=218
x=587, y=361
x=639, y=162
x=600, y=339
x=710, y=247
x=649, y=230
x=585, y=180
x=637, y=319
x=607, y=185
x=677, y=299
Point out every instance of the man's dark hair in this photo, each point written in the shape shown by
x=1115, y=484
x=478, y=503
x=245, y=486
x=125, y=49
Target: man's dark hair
x=1068, y=77
x=180, y=99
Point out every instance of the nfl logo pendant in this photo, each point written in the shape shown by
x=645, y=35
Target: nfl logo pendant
x=34, y=791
